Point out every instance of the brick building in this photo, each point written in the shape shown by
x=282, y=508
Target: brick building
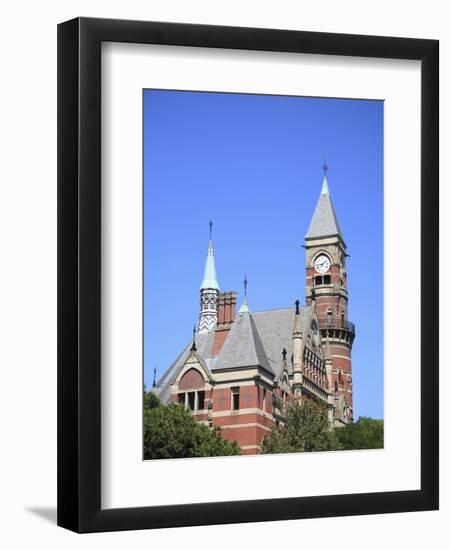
x=240, y=371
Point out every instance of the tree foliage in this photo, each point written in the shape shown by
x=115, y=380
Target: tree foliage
x=151, y=400
x=365, y=433
x=307, y=429
x=170, y=431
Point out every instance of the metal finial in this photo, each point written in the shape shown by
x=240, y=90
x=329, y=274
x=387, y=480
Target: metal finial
x=325, y=167
x=245, y=285
x=154, y=377
x=193, y=347
x=297, y=308
x=284, y=352
x=210, y=229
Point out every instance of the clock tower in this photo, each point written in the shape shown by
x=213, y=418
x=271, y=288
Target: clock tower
x=326, y=286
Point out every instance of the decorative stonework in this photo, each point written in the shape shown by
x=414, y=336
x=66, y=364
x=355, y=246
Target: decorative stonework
x=208, y=309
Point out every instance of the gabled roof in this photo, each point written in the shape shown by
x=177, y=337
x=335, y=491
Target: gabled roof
x=204, y=342
x=255, y=339
x=324, y=222
x=243, y=346
x=275, y=329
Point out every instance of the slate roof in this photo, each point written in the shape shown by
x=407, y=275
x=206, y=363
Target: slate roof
x=243, y=346
x=324, y=222
x=275, y=329
x=255, y=339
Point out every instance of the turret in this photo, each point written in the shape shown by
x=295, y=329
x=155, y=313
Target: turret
x=209, y=290
x=326, y=286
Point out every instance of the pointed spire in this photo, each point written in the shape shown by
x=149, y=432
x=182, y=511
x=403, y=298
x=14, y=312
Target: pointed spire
x=154, y=376
x=209, y=275
x=296, y=331
x=325, y=190
x=193, y=347
x=324, y=222
x=244, y=307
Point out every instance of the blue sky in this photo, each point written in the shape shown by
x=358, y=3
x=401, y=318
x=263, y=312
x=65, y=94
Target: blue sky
x=253, y=163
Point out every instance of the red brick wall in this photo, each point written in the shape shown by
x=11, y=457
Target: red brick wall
x=219, y=339
x=341, y=354
x=192, y=379
x=251, y=432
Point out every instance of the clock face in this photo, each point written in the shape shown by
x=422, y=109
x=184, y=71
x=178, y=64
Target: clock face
x=322, y=263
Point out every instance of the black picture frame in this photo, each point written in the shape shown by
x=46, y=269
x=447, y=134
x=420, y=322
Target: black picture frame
x=79, y=274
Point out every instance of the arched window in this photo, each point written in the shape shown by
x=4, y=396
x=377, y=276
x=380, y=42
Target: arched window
x=192, y=394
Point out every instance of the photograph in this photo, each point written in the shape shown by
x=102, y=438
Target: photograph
x=263, y=266
x=248, y=274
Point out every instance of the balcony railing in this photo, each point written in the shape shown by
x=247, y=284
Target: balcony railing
x=329, y=322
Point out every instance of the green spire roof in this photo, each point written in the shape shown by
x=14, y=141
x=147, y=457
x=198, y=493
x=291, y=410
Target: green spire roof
x=210, y=276
x=244, y=307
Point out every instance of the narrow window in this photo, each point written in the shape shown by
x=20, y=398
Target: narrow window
x=201, y=400
x=191, y=400
x=318, y=280
x=329, y=317
x=335, y=386
x=181, y=398
x=264, y=400
x=327, y=280
x=235, y=399
x=340, y=377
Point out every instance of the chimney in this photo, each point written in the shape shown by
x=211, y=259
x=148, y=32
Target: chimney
x=226, y=314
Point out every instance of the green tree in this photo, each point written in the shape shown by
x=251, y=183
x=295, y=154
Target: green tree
x=172, y=432
x=365, y=433
x=307, y=429
x=151, y=400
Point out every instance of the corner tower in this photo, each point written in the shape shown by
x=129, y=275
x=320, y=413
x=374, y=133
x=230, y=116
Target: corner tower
x=209, y=290
x=326, y=284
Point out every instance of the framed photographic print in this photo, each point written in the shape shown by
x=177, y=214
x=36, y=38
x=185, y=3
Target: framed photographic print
x=248, y=275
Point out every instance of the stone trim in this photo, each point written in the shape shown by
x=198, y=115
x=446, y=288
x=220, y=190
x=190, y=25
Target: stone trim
x=251, y=447
x=240, y=412
x=248, y=425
